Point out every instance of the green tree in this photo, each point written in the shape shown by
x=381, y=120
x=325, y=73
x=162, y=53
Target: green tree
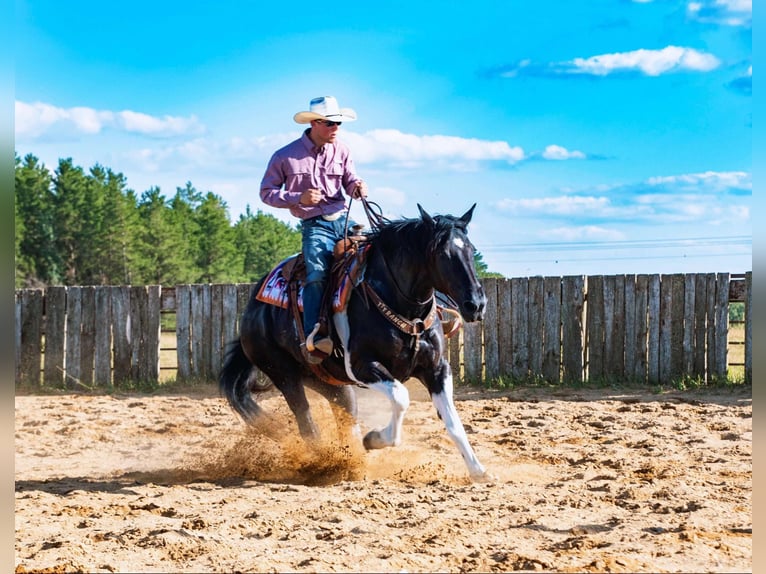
x=71, y=204
x=217, y=258
x=263, y=241
x=36, y=257
x=183, y=223
x=119, y=228
x=481, y=268
x=159, y=241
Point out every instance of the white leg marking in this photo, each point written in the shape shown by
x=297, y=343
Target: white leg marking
x=445, y=406
x=399, y=396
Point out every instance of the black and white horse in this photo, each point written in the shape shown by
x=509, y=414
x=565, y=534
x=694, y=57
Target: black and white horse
x=388, y=332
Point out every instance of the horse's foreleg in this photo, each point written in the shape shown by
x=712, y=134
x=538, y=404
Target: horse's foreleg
x=399, y=397
x=445, y=407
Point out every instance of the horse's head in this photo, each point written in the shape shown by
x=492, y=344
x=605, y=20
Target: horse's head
x=451, y=257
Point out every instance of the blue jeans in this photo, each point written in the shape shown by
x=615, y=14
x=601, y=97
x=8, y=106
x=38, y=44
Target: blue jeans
x=319, y=238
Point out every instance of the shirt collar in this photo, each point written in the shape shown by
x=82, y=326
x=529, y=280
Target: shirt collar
x=310, y=144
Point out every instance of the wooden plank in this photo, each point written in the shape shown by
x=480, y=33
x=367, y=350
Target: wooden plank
x=594, y=335
x=120, y=303
x=73, y=327
x=472, y=356
x=31, y=337
x=520, y=321
x=611, y=347
x=505, y=328
x=183, y=333
x=229, y=315
x=748, y=327
x=216, y=329
x=102, y=352
x=666, y=318
x=87, y=334
x=710, y=338
x=640, y=341
x=653, y=333
x=617, y=362
x=738, y=288
x=688, y=324
x=137, y=314
x=201, y=332
x=630, y=327
x=455, y=346
x=700, y=324
x=490, y=330
x=677, y=326
x=536, y=337
x=552, y=330
x=17, y=334
x=55, y=335
x=721, y=325
x=573, y=302
x=152, y=332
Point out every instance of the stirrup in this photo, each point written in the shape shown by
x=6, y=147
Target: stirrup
x=322, y=346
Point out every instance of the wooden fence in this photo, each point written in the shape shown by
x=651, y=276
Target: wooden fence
x=644, y=328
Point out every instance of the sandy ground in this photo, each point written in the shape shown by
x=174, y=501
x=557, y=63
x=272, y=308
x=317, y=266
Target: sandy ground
x=586, y=481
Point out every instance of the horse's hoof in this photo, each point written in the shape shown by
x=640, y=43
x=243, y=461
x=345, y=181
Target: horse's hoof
x=373, y=440
x=483, y=476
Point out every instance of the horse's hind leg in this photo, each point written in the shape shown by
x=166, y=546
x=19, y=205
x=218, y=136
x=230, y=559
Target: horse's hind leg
x=295, y=396
x=342, y=400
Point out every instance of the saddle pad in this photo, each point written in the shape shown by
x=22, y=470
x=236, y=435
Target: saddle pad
x=274, y=290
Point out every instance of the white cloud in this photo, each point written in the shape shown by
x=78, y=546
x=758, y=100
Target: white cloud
x=563, y=205
x=555, y=152
x=649, y=62
x=708, y=180
x=410, y=150
x=586, y=232
x=39, y=119
x=724, y=12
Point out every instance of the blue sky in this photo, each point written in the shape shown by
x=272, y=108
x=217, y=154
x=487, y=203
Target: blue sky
x=598, y=137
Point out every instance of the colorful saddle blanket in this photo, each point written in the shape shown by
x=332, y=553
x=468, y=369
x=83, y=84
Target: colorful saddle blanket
x=275, y=289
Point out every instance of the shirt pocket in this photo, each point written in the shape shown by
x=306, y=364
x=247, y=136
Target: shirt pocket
x=297, y=178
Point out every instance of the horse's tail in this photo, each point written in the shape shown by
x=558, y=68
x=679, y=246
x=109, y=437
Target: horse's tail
x=234, y=382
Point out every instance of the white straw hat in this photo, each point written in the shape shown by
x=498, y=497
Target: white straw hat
x=325, y=108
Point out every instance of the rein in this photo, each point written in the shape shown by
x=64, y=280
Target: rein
x=413, y=327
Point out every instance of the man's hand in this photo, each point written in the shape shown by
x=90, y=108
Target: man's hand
x=311, y=196
x=360, y=190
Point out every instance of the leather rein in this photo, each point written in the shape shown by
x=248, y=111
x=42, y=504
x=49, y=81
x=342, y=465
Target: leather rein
x=412, y=327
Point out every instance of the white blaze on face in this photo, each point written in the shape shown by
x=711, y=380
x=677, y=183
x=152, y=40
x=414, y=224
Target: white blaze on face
x=458, y=242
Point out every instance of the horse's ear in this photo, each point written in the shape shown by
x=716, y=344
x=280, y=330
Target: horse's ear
x=427, y=218
x=466, y=219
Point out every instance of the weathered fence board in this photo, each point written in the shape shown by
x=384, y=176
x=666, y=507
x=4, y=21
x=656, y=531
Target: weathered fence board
x=572, y=350
x=748, y=327
x=647, y=328
x=490, y=328
x=55, y=322
x=551, y=368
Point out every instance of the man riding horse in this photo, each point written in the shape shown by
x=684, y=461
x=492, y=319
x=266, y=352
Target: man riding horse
x=308, y=177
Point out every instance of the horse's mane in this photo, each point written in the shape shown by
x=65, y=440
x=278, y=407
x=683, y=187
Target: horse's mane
x=416, y=234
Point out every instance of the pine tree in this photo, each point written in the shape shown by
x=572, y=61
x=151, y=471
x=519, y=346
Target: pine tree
x=217, y=257
x=36, y=258
x=264, y=241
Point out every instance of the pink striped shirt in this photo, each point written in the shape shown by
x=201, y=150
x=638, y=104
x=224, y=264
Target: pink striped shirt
x=299, y=166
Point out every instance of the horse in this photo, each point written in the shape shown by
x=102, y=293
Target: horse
x=388, y=332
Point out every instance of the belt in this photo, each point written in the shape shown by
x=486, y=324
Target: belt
x=333, y=216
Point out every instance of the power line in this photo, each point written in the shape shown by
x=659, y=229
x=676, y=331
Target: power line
x=687, y=243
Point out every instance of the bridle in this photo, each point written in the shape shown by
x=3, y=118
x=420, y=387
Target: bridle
x=411, y=327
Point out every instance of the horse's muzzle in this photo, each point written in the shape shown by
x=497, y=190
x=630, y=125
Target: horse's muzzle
x=473, y=309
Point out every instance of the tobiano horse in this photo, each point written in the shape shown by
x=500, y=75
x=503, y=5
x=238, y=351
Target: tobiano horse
x=388, y=332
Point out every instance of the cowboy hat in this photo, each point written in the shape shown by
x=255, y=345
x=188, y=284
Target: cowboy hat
x=325, y=108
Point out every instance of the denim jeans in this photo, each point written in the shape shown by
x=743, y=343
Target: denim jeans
x=319, y=238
